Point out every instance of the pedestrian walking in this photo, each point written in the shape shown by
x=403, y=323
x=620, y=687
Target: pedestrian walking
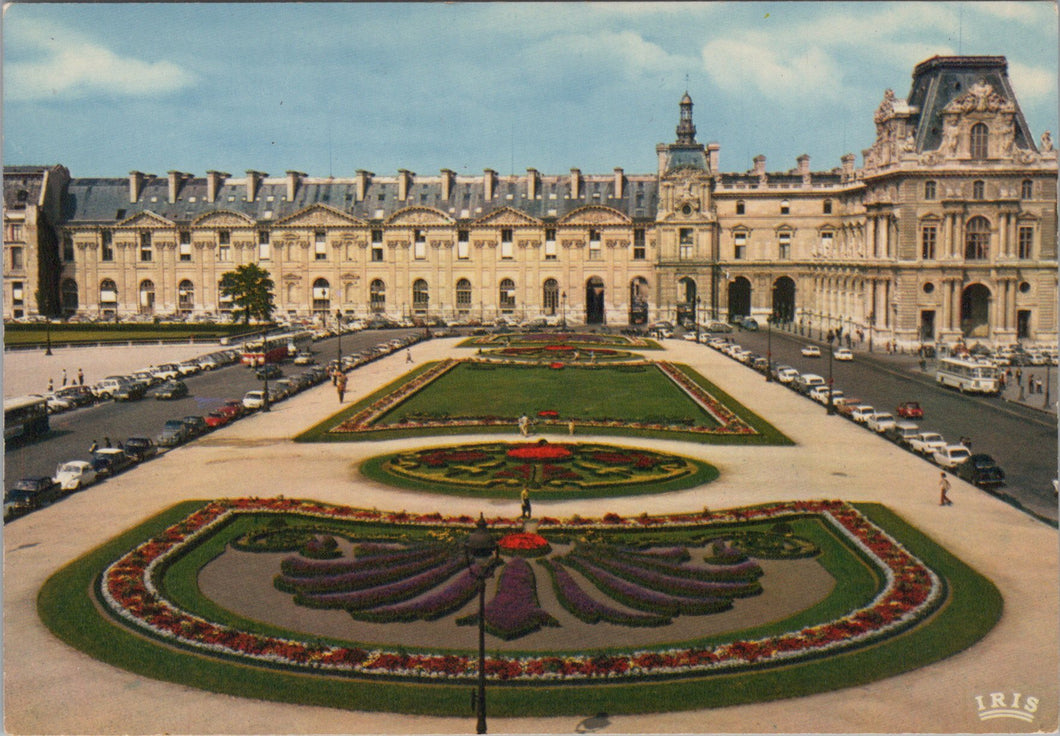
x=408, y=356
x=80, y=377
x=64, y=378
x=525, y=498
x=93, y=447
x=570, y=427
x=51, y=385
x=944, y=488
x=106, y=441
x=340, y=386
x=1019, y=377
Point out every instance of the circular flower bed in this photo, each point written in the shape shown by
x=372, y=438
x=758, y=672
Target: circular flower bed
x=541, y=452
x=524, y=544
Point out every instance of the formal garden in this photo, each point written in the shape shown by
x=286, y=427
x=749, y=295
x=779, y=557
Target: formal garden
x=306, y=602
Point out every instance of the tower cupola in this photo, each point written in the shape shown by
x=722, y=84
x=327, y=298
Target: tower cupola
x=686, y=130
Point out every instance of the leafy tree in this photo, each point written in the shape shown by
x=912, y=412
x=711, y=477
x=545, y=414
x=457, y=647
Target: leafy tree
x=250, y=288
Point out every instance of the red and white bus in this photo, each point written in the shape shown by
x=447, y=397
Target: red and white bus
x=275, y=348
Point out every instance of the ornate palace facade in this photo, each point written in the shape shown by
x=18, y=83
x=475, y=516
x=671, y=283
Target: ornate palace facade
x=947, y=230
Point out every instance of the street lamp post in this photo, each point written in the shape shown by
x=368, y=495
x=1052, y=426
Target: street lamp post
x=769, y=349
x=563, y=299
x=695, y=316
x=1048, y=381
x=479, y=548
x=831, y=385
x=48, y=349
x=264, y=368
x=338, y=330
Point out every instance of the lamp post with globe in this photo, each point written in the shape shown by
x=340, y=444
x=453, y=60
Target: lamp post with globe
x=481, y=553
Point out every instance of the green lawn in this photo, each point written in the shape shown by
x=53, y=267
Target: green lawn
x=37, y=334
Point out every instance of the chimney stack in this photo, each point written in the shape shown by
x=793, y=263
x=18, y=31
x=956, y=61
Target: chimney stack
x=848, y=166
x=136, y=183
x=214, y=180
x=619, y=181
x=363, y=179
x=176, y=181
x=404, y=183
x=253, y=180
x=713, y=157
x=489, y=181
x=760, y=168
x=804, y=168
x=294, y=178
x=531, y=183
x=447, y=183
x=575, y=183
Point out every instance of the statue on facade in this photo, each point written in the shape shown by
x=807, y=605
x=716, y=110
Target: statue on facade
x=1047, y=141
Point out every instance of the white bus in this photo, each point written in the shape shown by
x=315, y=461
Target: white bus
x=25, y=418
x=968, y=376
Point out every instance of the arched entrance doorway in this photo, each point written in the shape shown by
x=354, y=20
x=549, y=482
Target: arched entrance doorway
x=975, y=311
x=686, y=302
x=739, y=298
x=69, y=295
x=147, y=297
x=322, y=297
x=594, y=301
x=638, y=301
x=783, y=300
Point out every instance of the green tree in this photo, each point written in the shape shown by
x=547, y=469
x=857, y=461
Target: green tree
x=250, y=288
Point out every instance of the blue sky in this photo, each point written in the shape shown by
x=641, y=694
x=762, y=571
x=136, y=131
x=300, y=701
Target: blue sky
x=331, y=88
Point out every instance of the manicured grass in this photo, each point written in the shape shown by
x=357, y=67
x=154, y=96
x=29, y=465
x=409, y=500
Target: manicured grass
x=972, y=608
x=37, y=334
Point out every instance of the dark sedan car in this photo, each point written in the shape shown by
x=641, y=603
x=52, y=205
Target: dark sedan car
x=196, y=425
x=269, y=370
x=109, y=461
x=172, y=390
x=130, y=391
x=981, y=470
x=30, y=494
x=140, y=448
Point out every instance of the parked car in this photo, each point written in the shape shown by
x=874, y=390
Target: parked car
x=902, y=432
x=74, y=475
x=140, y=448
x=909, y=410
x=981, y=470
x=196, y=425
x=951, y=456
x=843, y=354
x=845, y=405
x=927, y=443
x=166, y=371
x=880, y=421
x=217, y=419
x=109, y=461
x=820, y=394
x=861, y=414
x=786, y=374
x=269, y=370
x=811, y=351
x=807, y=381
x=105, y=389
x=748, y=323
x=253, y=400
x=174, y=432
x=718, y=327
x=233, y=408
x=29, y=494
x=304, y=358
x=172, y=389
x=77, y=395
x=189, y=367
x=130, y=391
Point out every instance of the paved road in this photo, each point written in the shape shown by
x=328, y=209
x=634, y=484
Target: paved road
x=73, y=432
x=1021, y=438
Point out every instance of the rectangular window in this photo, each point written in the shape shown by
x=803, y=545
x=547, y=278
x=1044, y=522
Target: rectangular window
x=320, y=245
x=639, y=251
x=739, y=246
x=1027, y=189
x=16, y=258
x=264, y=246
x=224, y=253
x=13, y=231
x=68, y=248
x=1026, y=243
x=785, y=208
x=928, y=240
x=16, y=293
x=550, y=247
x=594, y=245
x=146, y=252
x=184, y=251
x=784, y=242
x=828, y=207
x=463, y=245
x=826, y=243
x=419, y=244
x=741, y=208
x=224, y=237
x=685, y=243
x=929, y=190
x=107, y=250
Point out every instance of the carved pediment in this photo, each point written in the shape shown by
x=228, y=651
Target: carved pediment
x=146, y=219
x=222, y=218
x=595, y=215
x=981, y=97
x=319, y=215
x=507, y=217
x=420, y=216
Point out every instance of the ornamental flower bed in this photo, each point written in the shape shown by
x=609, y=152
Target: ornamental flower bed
x=910, y=593
x=540, y=452
x=513, y=612
x=524, y=544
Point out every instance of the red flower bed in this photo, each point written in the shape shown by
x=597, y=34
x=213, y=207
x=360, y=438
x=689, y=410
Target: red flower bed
x=555, y=366
x=522, y=541
x=550, y=413
x=567, y=348
x=540, y=452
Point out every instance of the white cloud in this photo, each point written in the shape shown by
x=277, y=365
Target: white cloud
x=68, y=66
x=1032, y=84
x=1028, y=13
x=755, y=65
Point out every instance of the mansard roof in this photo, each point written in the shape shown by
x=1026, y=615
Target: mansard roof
x=941, y=79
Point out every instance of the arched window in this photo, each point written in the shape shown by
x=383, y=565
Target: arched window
x=185, y=296
x=550, y=296
x=930, y=190
x=463, y=296
x=377, y=296
x=108, y=295
x=321, y=296
x=69, y=295
x=421, y=296
x=507, y=296
x=978, y=190
x=977, y=239
x=147, y=296
x=980, y=141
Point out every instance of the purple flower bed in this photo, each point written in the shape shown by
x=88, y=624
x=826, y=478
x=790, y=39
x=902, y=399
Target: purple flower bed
x=645, y=599
x=303, y=568
x=401, y=590
x=514, y=612
x=673, y=555
x=445, y=601
x=578, y=603
x=363, y=578
x=670, y=583
x=746, y=570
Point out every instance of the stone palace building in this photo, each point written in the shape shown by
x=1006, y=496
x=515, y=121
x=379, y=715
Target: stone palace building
x=947, y=230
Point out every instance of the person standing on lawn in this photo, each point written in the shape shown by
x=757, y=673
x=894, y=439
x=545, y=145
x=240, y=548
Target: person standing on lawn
x=525, y=498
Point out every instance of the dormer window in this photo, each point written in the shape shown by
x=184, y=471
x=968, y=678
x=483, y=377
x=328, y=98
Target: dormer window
x=980, y=141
